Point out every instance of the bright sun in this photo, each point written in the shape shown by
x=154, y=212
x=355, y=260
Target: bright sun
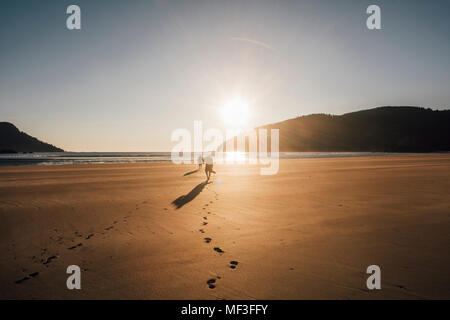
x=235, y=112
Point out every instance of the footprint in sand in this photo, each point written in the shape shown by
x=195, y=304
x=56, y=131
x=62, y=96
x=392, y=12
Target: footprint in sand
x=211, y=283
x=207, y=240
x=217, y=249
x=75, y=246
x=109, y=228
x=89, y=236
x=205, y=223
x=31, y=275
x=22, y=280
x=400, y=286
x=201, y=230
x=205, y=218
x=233, y=264
x=49, y=259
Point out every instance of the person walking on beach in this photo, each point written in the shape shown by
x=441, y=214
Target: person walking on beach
x=200, y=161
x=209, y=161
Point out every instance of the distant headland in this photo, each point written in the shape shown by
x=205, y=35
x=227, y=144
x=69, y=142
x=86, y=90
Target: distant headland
x=13, y=141
x=382, y=129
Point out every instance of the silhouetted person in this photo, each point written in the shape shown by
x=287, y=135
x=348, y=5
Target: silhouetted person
x=200, y=161
x=209, y=161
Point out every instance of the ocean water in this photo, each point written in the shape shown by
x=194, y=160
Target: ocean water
x=60, y=158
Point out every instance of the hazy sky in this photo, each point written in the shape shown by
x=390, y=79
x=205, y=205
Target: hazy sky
x=137, y=70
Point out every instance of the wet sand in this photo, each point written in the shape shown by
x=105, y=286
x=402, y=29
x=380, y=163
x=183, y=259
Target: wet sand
x=148, y=231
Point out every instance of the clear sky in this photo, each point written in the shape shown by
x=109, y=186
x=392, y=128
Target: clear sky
x=137, y=70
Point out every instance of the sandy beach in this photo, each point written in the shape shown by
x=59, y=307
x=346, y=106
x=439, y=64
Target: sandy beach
x=146, y=231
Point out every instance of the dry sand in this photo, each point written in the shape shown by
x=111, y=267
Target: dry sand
x=308, y=232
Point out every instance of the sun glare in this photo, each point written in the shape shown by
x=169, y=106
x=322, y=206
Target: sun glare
x=235, y=112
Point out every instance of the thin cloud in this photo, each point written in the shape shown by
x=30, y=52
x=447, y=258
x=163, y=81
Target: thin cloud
x=252, y=41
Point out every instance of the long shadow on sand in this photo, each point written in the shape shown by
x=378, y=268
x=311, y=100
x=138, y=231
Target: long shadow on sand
x=182, y=200
x=191, y=172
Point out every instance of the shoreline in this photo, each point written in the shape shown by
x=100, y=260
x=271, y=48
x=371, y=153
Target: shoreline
x=328, y=156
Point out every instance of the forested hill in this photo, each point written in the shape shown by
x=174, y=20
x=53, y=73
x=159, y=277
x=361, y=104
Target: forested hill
x=12, y=140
